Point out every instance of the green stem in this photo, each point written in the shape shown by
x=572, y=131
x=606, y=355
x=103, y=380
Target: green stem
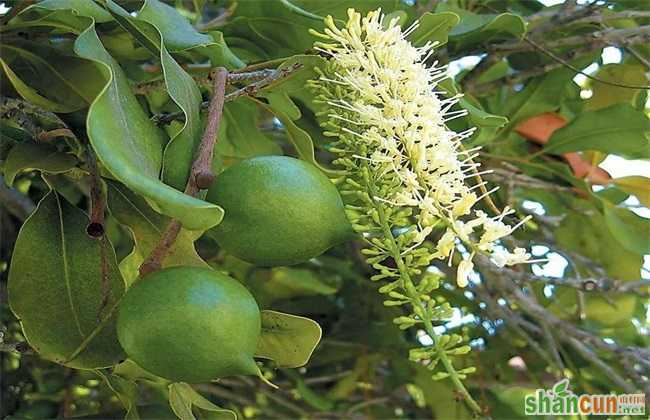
x=416, y=301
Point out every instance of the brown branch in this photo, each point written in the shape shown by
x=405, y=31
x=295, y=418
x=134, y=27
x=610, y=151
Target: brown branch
x=250, y=90
x=566, y=330
x=95, y=228
x=584, y=284
x=626, y=36
x=587, y=75
x=601, y=18
x=253, y=88
x=201, y=175
x=250, y=75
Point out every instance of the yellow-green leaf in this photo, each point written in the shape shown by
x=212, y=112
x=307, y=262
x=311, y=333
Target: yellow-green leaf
x=636, y=185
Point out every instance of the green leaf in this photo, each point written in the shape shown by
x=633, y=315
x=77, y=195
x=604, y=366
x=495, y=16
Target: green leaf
x=147, y=35
x=182, y=398
x=29, y=156
x=30, y=94
x=300, y=139
x=66, y=15
x=126, y=391
x=81, y=8
x=177, y=32
x=239, y=133
x=629, y=229
x=157, y=19
x=542, y=94
x=473, y=26
x=69, y=82
x=179, y=152
x=619, y=129
x=147, y=227
x=636, y=185
x=130, y=146
x=280, y=97
x=587, y=235
x=477, y=116
x=56, y=288
x=479, y=28
x=605, y=95
x=286, y=282
x=288, y=340
x=434, y=27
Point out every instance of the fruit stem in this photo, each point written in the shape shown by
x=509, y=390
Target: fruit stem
x=201, y=175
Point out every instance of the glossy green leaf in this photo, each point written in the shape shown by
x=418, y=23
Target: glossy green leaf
x=618, y=129
x=478, y=28
x=29, y=156
x=80, y=7
x=147, y=227
x=66, y=15
x=182, y=89
x=144, y=33
x=130, y=146
x=177, y=32
x=183, y=398
x=631, y=231
x=56, y=286
x=179, y=35
x=288, y=340
x=179, y=152
x=434, y=27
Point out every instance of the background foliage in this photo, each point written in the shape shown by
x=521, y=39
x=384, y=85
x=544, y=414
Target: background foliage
x=130, y=84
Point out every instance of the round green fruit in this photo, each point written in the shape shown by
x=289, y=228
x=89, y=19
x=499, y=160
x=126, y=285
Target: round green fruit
x=190, y=324
x=278, y=211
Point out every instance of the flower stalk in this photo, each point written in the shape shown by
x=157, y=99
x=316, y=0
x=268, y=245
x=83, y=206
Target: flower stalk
x=406, y=174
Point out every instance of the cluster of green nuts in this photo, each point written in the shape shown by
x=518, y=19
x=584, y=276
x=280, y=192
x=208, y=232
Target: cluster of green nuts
x=195, y=324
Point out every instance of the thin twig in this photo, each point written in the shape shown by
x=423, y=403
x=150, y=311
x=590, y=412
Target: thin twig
x=625, y=36
x=250, y=90
x=201, y=175
x=577, y=70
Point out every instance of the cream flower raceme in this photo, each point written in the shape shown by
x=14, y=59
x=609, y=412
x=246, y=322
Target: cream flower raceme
x=381, y=102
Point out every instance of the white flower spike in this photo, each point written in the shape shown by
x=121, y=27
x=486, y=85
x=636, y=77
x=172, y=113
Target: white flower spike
x=389, y=119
